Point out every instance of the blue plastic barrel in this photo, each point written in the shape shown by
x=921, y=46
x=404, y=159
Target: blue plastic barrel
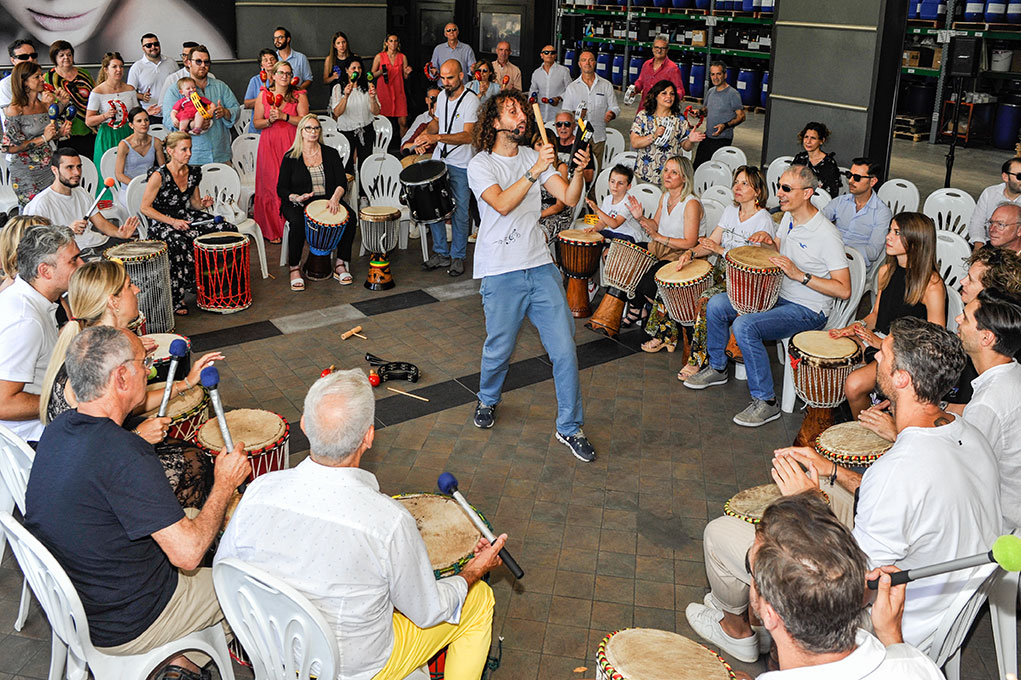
x=603, y=62
x=617, y=70
x=635, y=67
x=683, y=4
x=974, y=11
x=685, y=68
x=748, y=86
x=1008, y=122
x=731, y=75
x=702, y=4
x=913, y=9
x=765, y=89
x=748, y=5
x=767, y=6
x=996, y=11
x=661, y=3
x=696, y=81
x=570, y=59
x=1014, y=12
x=931, y=10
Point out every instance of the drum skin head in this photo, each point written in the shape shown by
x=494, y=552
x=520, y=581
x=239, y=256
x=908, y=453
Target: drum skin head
x=851, y=444
x=422, y=172
x=579, y=236
x=754, y=257
x=163, y=340
x=379, y=213
x=180, y=404
x=255, y=427
x=319, y=210
x=448, y=533
x=221, y=239
x=751, y=503
x=693, y=270
x=134, y=250
x=820, y=344
x=649, y=654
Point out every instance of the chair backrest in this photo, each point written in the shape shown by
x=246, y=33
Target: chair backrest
x=649, y=195
x=222, y=183
x=843, y=310
x=775, y=171
x=108, y=163
x=159, y=131
x=713, y=212
x=16, y=458
x=845, y=188
x=614, y=145
x=960, y=614
x=53, y=589
x=602, y=184
x=90, y=175
x=900, y=195
x=244, y=118
x=950, y=209
x=5, y=177
x=821, y=198
x=243, y=154
x=379, y=177
x=732, y=156
x=327, y=123
x=951, y=252
x=338, y=142
x=285, y=636
x=955, y=305
x=720, y=194
x=711, y=173
x=384, y=131
x=625, y=158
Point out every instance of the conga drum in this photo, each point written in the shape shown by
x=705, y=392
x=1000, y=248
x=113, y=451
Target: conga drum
x=425, y=189
x=578, y=253
x=161, y=356
x=449, y=535
x=222, y=264
x=266, y=436
x=820, y=365
x=323, y=231
x=148, y=265
x=851, y=445
x=649, y=654
x=380, y=230
x=753, y=282
x=188, y=412
x=624, y=267
x=681, y=290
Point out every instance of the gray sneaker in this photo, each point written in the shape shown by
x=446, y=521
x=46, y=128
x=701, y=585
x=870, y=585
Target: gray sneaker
x=436, y=262
x=707, y=377
x=758, y=413
x=456, y=267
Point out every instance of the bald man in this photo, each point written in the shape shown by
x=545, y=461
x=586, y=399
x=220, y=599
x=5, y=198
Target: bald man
x=1005, y=227
x=453, y=49
x=503, y=68
x=451, y=131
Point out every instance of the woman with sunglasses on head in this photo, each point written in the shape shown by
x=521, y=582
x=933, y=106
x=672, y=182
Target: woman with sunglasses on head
x=483, y=82
x=101, y=294
x=67, y=78
x=812, y=138
x=278, y=122
x=310, y=171
x=659, y=133
x=390, y=69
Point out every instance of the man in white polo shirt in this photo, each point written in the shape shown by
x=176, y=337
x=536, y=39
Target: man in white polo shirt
x=594, y=95
x=47, y=256
x=65, y=202
x=149, y=74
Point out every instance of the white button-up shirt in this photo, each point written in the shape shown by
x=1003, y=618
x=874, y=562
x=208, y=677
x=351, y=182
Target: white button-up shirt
x=987, y=202
x=355, y=553
x=995, y=409
x=145, y=75
x=870, y=660
x=549, y=84
x=597, y=100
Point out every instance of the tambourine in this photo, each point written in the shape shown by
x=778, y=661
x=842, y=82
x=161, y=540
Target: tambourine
x=120, y=114
x=200, y=108
x=629, y=95
x=393, y=370
x=694, y=117
x=431, y=72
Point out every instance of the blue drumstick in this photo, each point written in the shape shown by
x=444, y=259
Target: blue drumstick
x=448, y=485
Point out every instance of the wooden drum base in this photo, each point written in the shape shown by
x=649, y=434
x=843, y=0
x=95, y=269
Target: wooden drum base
x=379, y=277
x=577, y=298
x=609, y=313
x=318, y=267
x=816, y=420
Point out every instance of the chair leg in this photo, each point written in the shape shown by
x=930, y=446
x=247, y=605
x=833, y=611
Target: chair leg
x=1003, y=613
x=261, y=247
x=58, y=658
x=26, y=600
x=952, y=668
x=423, y=236
x=283, y=244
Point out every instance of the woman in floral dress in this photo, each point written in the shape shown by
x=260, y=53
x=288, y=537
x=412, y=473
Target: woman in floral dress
x=660, y=133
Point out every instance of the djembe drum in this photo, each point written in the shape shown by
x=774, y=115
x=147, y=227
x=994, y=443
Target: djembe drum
x=161, y=356
x=851, y=445
x=449, y=535
x=148, y=265
x=222, y=264
x=820, y=365
x=323, y=231
x=750, y=504
x=188, y=412
x=266, y=436
x=380, y=230
x=624, y=267
x=649, y=654
x=578, y=253
x=681, y=290
x=753, y=282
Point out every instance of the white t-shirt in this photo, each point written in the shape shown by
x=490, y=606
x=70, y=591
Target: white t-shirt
x=100, y=103
x=28, y=334
x=452, y=118
x=736, y=232
x=934, y=496
x=995, y=410
x=870, y=660
x=815, y=247
x=671, y=223
x=630, y=225
x=987, y=202
x=511, y=242
x=64, y=210
x=357, y=113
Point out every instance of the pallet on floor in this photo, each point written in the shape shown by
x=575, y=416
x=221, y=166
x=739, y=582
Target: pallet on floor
x=982, y=26
x=913, y=124
x=913, y=136
x=924, y=23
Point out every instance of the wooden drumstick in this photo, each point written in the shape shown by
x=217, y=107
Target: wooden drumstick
x=542, y=126
x=354, y=331
x=406, y=394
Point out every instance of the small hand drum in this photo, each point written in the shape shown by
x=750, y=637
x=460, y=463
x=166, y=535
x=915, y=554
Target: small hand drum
x=649, y=654
x=380, y=231
x=851, y=445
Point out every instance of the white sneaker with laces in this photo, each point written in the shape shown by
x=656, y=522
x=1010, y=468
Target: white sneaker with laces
x=706, y=622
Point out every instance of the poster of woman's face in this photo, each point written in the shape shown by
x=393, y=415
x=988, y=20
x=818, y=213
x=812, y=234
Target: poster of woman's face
x=96, y=27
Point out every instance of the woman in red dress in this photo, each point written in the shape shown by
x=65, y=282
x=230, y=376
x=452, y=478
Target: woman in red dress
x=390, y=68
x=278, y=109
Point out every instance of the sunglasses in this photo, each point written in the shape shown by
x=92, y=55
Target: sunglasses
x=450, y=30
x=1015, y=175
x=202, y=62
x=787, y=188
x=563, y=124
x=151, y=45
x=857, y=178
x=26, y=57
x=548, y=52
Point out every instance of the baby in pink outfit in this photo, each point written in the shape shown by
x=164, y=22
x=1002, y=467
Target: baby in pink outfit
x=184, y=114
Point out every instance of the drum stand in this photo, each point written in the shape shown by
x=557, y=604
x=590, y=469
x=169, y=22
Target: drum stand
x=608, y=314
x=816, y=421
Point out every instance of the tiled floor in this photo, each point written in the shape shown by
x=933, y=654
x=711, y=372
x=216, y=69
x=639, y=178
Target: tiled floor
x=607, y=545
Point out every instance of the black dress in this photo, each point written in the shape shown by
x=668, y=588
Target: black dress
x=827, y=171
x=294, y=178
x=893, y=306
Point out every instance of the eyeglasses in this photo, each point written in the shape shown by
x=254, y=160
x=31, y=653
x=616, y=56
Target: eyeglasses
x=202, y=62
x=26, y=57
x=151, y=45
x=787, y=188
x=1000, y=226
x=148, y=361
x=563, y=123
x=656, y=48
x=313, y=128
x=279, y=37
x=857, y=178
x=548, y=52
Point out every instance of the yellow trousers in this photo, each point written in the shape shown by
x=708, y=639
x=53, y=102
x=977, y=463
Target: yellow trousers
x=468, y=641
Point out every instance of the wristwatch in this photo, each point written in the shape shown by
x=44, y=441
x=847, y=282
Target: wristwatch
x=808, y=277
x=529, y=177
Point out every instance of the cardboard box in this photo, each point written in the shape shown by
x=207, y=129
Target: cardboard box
x=698, y=38
x=937, y=57
x=1015, y=64
x=910, y=58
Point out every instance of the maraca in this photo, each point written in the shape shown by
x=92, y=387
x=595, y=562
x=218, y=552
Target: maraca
x=533, y=97
x=53, y=111
x=369, y=77
x=70, y=112
x=294, y=81
x=278, y=100
x=263, y=76
x=327, y=371
x=386, y=75
x=374, y=378
x=336, y=71
x=506, y=79
x=354, y=76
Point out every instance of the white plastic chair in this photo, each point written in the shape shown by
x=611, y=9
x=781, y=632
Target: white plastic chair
x=961, y=612
x=951, y=252
x=821, y=198
x=223, y=183
x=950, y=209
x=343, y=147
x=158, y=131
x=845, y=187
x=713, y=212
x=710, y=173
x=284, y=635
x=327, y=123
x=133, y=194
x=602, y=184
x=244, y=153
x=650, y=196
x=72, y=654
x=900, y=195
x=774, y=172
x=614, y=145
x=384, y=132
x=8, y=199
x=16, y=458
x=625, y=158
x=718, y=193
x=90, y=181
x=731, y=156
x=379, y=175
x=955, y=305
x=840, y=316
x=241, y=124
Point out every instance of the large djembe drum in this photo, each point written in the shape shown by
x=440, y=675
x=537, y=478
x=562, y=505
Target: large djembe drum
x=753, y=282
x=323, y=231
x=623, y=269
x=380, y=231
x=578, y=253
x=820, y=365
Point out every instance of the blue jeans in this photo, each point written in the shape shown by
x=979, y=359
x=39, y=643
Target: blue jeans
x=538, y=293
x=750, y=330
x=459, y=222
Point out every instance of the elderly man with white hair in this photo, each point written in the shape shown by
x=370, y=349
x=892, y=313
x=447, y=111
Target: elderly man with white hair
x=1005, y=227
x=356, y=554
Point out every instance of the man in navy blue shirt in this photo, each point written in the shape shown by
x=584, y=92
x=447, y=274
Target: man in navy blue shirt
x=99, y=499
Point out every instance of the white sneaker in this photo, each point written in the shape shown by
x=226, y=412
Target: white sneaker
x=706, y=622
x=765, y=639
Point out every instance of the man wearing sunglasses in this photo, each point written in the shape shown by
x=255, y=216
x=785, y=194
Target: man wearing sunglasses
x=815, y=273
x=860, y=216
x=594, y=95
x=563, y=140
x=1008, y=191
x=148, y=74
x=548, y=84
x=183, y=72
x=18, y=51
x=660, y=67
x=454, y=49
x=213, y=145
